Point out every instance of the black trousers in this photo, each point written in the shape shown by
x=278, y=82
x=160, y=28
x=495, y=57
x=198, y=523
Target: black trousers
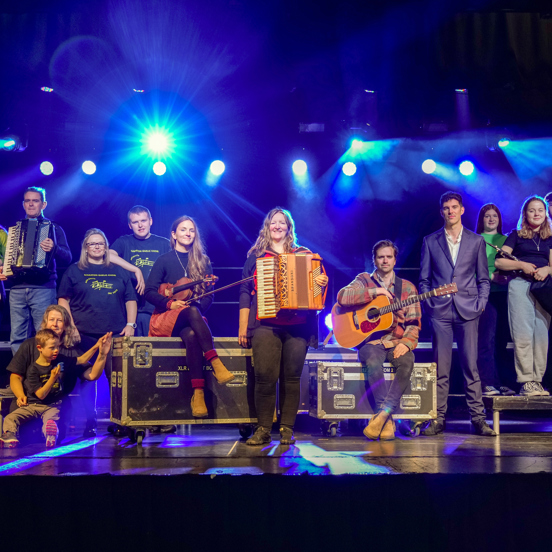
x=278, y=354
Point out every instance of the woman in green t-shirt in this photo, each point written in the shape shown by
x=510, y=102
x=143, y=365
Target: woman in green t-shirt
x=494, y=332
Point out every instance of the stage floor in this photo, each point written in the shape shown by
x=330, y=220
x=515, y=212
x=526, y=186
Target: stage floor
x=523, y=447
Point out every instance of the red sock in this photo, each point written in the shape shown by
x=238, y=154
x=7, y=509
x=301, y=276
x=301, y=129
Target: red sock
x=198, y=383
x=210, y=355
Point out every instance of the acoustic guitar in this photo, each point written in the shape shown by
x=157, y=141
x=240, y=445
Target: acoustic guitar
x=352, y=325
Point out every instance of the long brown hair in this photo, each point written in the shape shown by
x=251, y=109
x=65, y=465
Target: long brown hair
x=481, y=218
x=83, y=261
x=263, y=240
x=68, y=329
x=197, y=259
x=524, y=230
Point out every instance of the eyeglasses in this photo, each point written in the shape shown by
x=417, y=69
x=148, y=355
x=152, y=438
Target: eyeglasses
x=95, y=244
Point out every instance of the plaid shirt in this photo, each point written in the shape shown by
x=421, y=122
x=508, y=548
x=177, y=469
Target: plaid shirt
x=407, y=322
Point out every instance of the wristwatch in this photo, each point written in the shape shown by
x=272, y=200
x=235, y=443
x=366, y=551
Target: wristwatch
x=132, y=325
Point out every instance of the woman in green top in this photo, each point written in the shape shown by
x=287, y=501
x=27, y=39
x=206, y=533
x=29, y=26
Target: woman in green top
x=493, y=323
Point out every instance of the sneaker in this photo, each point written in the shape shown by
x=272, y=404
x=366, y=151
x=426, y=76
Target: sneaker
x=542, y=391
x=506, y=391
x=529, y=389
x=490, y=391
x=286, y=436
x=9, y=440
x=51, y=433
x=480, y=427
x=260, y=437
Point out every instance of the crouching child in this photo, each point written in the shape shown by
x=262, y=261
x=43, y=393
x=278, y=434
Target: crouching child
x=46, y=385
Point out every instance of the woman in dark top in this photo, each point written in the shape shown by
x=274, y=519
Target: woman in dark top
x=100, y=298
x=531, y=243
x=493, y=323
x=279, y=344
x=174, y=318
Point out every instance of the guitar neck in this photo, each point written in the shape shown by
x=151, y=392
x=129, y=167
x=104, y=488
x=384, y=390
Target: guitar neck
x=410, y=301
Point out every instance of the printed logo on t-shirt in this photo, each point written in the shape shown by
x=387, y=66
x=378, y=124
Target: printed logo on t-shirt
x=101, y=284
x=136, y=260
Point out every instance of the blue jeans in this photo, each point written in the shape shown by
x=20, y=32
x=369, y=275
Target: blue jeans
x=27, y=307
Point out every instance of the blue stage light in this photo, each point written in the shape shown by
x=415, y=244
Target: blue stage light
x=88, y=167
x=159, y=168
x=429, y=166
x=466, y=168
x=503, y=142
x=299, y=167
x=46, y=168
x=158, y=142
x=328, y=321
x=349, y=168
x=356, y=144
x=217, y=167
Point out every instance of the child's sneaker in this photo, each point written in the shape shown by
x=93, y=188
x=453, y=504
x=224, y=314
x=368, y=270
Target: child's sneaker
x=51, y=433
x=9, y=440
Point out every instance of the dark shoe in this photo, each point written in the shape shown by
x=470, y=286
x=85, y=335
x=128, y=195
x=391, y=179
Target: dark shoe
x=286, y=436
x=117, y=430
x=489, y=391
x=51, y=433
x=260, y=437
x=480, y=427
x=435, y=427
x=163, y=429
x=9, y=440
x=506, y=391
x=90, y=429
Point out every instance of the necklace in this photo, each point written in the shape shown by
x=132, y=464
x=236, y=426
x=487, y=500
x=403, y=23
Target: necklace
x=185, y=271
x=537, y=244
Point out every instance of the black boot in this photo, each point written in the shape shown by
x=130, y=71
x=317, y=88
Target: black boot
x=260, y=437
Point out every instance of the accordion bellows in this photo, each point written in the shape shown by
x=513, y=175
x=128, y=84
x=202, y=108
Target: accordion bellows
x=287, y=282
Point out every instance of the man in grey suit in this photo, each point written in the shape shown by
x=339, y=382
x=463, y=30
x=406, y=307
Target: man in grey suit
x=454, y=254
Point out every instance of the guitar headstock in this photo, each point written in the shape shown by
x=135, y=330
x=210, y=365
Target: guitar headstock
x=446, y=289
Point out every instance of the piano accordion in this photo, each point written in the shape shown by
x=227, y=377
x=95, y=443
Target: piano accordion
x=23, y=251
x=287, y=282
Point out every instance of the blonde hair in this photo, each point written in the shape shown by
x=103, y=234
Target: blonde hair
x=264, y=240
x=68, y=329
x=197, y=259
x=83, y=261
x=43, y=336
x=524, y=230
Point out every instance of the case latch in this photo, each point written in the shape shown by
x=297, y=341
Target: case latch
x=418, y=379
x=143, y=355
x=336, y=378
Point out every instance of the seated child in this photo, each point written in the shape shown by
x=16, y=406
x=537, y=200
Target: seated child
x=46, y=383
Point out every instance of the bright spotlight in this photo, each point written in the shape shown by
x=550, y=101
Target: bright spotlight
x=466, y=168
x=349, y=168
x=159, y=168
x=217, y=167
x=299, y=167
x=356, y=144
x=11, y=142
x=503, y=142
x=328, y=321
x=46, y=168
x=88, y=167
x=429, y=166
x=158, y=142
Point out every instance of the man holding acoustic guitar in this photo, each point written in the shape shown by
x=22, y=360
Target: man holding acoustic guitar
x=454, y=254
x=384, y=337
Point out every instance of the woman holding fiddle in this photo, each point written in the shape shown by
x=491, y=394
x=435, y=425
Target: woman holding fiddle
x=174, y=316
x=279, y=344
x=531, y=244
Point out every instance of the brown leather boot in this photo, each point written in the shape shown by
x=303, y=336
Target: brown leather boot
x=388, y=430
x=375, y=425
x=199, y=409
x=222, y=374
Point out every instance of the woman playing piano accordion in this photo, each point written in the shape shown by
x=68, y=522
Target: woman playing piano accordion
x=176, y=318
x=279, y=344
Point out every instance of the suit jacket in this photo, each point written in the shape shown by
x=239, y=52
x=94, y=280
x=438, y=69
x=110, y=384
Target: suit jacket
x=471, y=274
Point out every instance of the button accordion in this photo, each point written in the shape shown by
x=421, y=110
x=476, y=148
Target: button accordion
x=287, y=282
x=23, y=251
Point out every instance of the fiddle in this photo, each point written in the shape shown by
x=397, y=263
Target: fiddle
x=182, y=290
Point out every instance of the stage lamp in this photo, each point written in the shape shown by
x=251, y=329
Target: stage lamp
x=357, y=144
x=89, y=167
x=11, y=142
x=328, y=321
x=299, y=167
x=46, y=168
x=466, y=168
x=349, y=168
x=217, y=167
x=503, y=142
x=429, y=166
x=159, y=168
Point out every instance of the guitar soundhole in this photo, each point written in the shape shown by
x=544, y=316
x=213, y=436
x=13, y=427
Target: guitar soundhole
x=372, y=315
